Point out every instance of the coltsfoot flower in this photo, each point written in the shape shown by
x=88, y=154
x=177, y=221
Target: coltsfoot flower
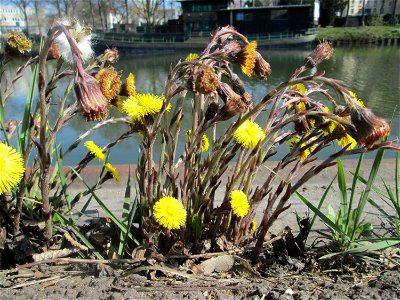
x=205, y=144
x=302, y=156
x=239, y=203
x=95, y=150
x=128, y=88
x=249, y=134
x=12, y=168
x=247, y=58
x=17, y=43
x=169, y=212
x=206, y=81
x=191, y=56
x=113, y=171
x=143, y=105
x=253, y=226
x=109, y=82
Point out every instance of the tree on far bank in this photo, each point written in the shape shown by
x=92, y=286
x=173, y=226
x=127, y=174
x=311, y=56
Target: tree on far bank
x=23, y=6
x=329, y=9
x=147, y=11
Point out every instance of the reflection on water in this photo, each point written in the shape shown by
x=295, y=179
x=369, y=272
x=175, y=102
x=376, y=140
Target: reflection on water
x=373, y=73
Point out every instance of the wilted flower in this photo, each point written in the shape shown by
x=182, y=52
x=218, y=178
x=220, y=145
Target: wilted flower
x=246, y=58
x=92, y=103
x=322, y=52
x=17, y=43
x=249, y=134
x=54, y=52
x=239, y=203
x=95, y=150
x=231, y=50
x=234, y=103
x=12, y=168
x=262, y=68
x=368, y=127
x=206, y=81
x=128, y=88
x=81, y=35
x=169, y=213
x=109, y=82
x=110, y=55
x=113, y=171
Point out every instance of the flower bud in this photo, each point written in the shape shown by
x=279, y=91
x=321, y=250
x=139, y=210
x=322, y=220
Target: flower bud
x=110, y=55
x=128, y=88
x=368, y=127
x=262, y=68
x=234, y=103
x=322, y=52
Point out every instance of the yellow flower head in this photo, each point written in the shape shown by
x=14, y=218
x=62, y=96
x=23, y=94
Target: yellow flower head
x=142, y=105
x=345, y=140
x=17, y=43
x=95, y=150
x=248, y=58
x=302, y=155
x=205, y=144
x=239, y=203
x=11, y=168
x=169, y=212
x=130, y=85
x=249, y=134
x=109, y=82
x=356, y=99
x=253, y=226
x=113, y=171
x=191, y=56
x=299, y=87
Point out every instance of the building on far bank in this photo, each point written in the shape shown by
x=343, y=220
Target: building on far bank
x=12, y=18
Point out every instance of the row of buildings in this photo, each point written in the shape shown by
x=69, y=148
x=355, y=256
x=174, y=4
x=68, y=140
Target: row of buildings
x=246, y=16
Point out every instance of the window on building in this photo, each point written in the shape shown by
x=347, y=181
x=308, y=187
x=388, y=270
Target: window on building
x=352, y=11
x=240, y=17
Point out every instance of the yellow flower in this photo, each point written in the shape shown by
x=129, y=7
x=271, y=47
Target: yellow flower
x=109, y=82
x=249, y=134
x=239, y=203
x=248, y=58
x=113, y=171
x=191, y=56
x=302, y=155
x=169, y=212
x=347, y=139
x=17, y=43
x=356, y=99
x=142, y=105
x=299, y=87
x=253, y=226
x=205, y=144
x=95, y=150
x=11, y=168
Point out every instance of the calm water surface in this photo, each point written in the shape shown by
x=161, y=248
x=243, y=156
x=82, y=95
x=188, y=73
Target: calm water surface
x=373, y=73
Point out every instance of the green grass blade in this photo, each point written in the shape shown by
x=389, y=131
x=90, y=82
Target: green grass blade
x=125, y=214
x=107, y=210
x=368, y=188
x=322, y=216
x=80, y=236
x=64, y=185
x=353, y=192
x=396, y=173
x=28, y=107
x=343, y=214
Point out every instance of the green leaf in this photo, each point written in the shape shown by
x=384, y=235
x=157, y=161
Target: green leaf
x=343, y=213
x=196, y=226
x=125, y=214
x=64, y=185
x=350, y=216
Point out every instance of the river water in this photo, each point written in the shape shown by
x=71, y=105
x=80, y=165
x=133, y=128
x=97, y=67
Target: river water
x=373, y=73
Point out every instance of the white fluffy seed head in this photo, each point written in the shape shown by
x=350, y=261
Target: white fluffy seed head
x=82, y=36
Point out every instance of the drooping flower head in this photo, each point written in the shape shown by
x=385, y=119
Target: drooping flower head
x=322, y=52
x=81, y=35
x=17, y=43
x=12, y=168
x=169, y=212
x=113, y=171
x=206, y=81
x=247, y=58
x=262, y=68
x=95, y=150
x=109, y=82
x=249, y=134
x=239, y=203
x=143, y=105
x=128, y=88
x=92, y=103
